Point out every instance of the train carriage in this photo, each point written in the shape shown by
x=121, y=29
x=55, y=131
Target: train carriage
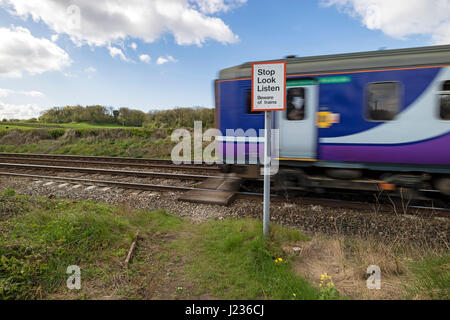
x=382, y=115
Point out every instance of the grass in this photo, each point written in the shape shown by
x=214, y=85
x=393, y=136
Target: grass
x=131, y=142
x=93, y=126
x=102, y=143
x=228, y=259
x=81, y=125
x=38, y=245
x=179, y=259
x=432, y=277
x=232, y=260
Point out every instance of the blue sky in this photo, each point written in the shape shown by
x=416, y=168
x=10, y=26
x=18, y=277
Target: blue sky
x=86, y=73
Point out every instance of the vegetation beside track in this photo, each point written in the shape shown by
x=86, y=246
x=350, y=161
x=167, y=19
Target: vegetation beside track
x=179, y=259
x=131, y=142
x=174, y=258
x=100, y=131
x=95, y=117
x=431, y=277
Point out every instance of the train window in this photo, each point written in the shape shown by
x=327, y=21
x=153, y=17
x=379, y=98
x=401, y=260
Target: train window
x=383, y=101
x=248, y=103
x=444, y=111
x=295, y=110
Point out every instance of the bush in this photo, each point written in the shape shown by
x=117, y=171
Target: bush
x=56, y=133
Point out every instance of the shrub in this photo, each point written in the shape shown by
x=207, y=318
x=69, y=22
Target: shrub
x=56, y=133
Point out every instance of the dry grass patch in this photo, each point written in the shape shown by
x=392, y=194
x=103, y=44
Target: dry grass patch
x=346, y=261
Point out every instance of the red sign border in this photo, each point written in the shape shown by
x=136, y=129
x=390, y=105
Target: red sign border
x=284, y=85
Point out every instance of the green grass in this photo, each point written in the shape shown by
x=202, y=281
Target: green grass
x=81, y=125
x=431, y=277
x=15, y=126
x=227, y=259
x=233, y=261
x=94, y=126
x=131, y=147
x=135, y=142
x=38, y=245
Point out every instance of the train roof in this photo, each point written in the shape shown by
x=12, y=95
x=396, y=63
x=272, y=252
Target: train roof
x=398, y=58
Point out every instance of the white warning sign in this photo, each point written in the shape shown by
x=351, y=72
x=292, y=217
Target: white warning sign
x=269, y=86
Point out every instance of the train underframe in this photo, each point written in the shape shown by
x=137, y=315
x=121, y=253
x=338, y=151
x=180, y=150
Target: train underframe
x=319, y=179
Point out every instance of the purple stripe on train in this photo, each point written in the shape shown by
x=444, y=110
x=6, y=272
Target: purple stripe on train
x=435, y=151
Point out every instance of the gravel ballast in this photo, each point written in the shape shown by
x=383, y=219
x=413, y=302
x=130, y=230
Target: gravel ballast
x=311, y=219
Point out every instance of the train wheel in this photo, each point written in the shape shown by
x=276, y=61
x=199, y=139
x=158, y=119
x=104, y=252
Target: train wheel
x=443, y=185
x=287, y=179
x=344, y=174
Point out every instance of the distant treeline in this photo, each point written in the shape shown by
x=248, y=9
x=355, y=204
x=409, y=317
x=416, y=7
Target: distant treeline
x=174, y=118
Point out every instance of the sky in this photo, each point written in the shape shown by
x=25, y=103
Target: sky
x=160, y=54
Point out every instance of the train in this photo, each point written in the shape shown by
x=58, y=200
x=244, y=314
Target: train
x=377, y=120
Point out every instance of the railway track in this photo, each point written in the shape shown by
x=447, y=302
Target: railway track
x=114, y=172
x=122, y=184
x=13, y=169
x=327, y=202
x=63, y=160
x=86, y=158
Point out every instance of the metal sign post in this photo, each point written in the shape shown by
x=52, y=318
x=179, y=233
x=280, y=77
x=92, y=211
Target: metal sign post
x=267, y=165
x=268, y=94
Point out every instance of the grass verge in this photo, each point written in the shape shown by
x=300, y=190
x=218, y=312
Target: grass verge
x=232, y=260
x=175, y=258
x=178, y=259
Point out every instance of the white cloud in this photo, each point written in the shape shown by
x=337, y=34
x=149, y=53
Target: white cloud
x=401, y=18
x=54, y=37
x=21, y=52
x=102, y=22
x=90, y=70
x=8, y=92
x=113, y=51
x=163, y=60
x=213, y=6
x=19, y=111
x=70, y=75
x=145, y=58
x=133, y=46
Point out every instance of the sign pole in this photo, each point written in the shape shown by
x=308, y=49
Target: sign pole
x=268, y=94
x=267, y=164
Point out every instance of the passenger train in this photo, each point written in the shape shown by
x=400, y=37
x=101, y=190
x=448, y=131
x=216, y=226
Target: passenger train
x=358, y=120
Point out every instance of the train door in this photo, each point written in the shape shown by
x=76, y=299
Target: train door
x=298, y=131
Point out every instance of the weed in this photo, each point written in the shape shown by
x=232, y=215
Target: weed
x=327, y=289
x=9, y=192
